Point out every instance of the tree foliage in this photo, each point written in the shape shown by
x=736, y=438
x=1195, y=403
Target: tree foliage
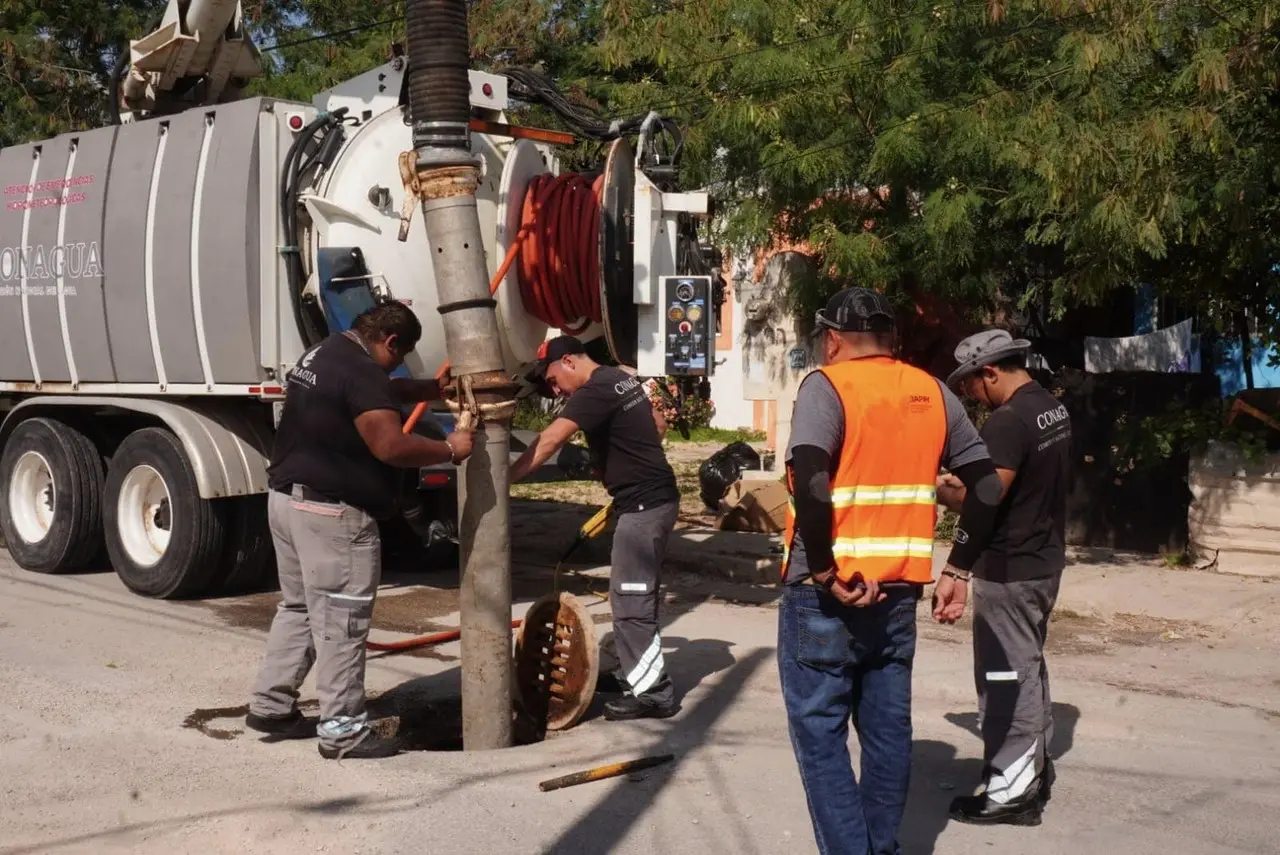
x=55, y=59
x=1045, y=151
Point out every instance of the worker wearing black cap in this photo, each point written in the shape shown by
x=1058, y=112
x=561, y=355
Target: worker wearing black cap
x=623, y=432
x=1016, y=582
x=868, y=436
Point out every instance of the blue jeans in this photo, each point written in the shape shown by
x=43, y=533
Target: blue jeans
x=836, y=664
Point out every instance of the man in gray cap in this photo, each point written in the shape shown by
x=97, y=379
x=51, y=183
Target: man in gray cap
x=1015, y=583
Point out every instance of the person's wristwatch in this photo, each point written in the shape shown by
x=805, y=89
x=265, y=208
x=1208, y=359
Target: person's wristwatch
x=960, y=575
x=827, y=579
x=453, y=452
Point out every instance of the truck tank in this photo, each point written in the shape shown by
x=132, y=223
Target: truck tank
x=139, y=258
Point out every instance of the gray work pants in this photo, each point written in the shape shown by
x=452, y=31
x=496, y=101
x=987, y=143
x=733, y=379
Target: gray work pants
x=639, y=542
x=330, y=562
x=1010, y=622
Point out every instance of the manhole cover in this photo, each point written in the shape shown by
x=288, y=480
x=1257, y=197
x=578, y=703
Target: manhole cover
x=557, y=661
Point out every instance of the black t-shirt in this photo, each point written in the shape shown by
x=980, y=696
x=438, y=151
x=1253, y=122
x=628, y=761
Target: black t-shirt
x=317, y=444
x=1031, y=435
x=617, y=417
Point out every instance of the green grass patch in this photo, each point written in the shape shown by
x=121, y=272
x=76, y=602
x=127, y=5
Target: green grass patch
x=710, y=434
x=530, y=415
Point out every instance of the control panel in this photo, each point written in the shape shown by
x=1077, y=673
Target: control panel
x=689, y=332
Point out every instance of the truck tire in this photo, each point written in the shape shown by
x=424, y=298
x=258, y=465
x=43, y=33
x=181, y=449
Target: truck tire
x=51, y=497
x=248, y=563
x=163, y=539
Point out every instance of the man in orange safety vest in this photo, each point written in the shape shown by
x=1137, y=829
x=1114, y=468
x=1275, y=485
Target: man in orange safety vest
x=868, y=438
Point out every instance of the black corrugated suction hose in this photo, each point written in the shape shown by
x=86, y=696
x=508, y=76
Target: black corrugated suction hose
x=439, y=87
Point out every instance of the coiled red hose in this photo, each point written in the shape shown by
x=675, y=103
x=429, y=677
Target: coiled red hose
x=559, y=265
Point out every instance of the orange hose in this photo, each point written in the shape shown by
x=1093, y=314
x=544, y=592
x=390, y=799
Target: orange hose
x=559, y=277
x=424, y=640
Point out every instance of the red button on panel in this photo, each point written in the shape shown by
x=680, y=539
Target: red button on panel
x=685, y=327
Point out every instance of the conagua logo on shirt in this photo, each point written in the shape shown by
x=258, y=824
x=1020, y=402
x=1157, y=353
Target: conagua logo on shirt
x=1049, y=418
x=624, y=386
x=301, y=372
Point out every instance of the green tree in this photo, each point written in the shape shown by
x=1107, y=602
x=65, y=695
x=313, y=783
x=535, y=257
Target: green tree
x=1038, y=151
x=55, y=59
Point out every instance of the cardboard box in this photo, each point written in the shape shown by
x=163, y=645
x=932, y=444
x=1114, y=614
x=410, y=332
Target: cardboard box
x=754, y=505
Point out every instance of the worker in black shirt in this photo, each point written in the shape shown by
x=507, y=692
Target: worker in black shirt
x=332, y=478
x=623, y=432
x=1015, y=585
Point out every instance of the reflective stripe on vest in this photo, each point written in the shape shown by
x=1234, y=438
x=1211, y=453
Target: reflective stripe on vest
x=883, y=493
x=893, y=494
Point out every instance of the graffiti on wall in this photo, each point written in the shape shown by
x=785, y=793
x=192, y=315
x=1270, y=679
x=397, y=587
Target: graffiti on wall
x=776, y=349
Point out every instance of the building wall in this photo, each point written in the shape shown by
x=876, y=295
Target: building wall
x=734, y=410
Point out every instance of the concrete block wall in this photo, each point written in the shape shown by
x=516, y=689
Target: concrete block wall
x=1235, y=513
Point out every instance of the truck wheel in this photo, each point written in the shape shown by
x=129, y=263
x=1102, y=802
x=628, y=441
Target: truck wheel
x=249, y=560
x=164, y=540
x=51, y=497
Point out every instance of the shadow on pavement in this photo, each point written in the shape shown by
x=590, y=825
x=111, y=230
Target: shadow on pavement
x=688, y=664
x=606, y=824
x=937, y=776
x=1065, y=719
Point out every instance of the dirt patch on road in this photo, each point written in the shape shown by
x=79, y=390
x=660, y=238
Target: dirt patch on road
x=410, y=611
x=1074, y=633
x=250, y=611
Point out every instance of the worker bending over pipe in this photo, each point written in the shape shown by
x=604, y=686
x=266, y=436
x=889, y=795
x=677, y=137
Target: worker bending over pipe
x=624, y=434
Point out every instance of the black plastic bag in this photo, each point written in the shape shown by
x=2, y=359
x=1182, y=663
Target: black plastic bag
x=719, y=471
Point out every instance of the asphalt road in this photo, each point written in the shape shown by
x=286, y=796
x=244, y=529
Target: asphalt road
x=120, y=731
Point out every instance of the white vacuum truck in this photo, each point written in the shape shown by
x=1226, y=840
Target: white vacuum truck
x=159, y=277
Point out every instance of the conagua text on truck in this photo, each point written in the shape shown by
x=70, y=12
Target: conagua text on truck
x=160, y=277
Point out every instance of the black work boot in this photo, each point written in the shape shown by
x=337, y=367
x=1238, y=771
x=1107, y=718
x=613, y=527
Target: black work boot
x=294, y=726
x=658, y=702
x=979, y=810
x=370, y=747
x=630, y=707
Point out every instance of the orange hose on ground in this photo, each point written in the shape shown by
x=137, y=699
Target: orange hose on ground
x=559, y=277
x=424, y=640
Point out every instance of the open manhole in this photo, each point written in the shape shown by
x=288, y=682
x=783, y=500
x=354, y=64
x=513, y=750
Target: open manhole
x=436, y=724
x=557, y=662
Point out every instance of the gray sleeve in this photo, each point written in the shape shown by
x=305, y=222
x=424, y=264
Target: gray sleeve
x=818, y=418
x=963, y=445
